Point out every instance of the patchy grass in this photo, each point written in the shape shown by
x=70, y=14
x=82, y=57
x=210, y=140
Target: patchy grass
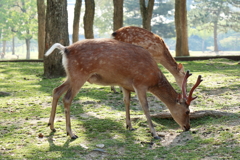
x=98, y=118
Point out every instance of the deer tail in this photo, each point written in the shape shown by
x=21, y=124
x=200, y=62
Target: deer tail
x=56, y=45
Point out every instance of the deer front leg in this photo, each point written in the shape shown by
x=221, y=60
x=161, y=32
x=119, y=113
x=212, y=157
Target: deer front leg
x=57, y=92
x=126, y=99
x=143, y=101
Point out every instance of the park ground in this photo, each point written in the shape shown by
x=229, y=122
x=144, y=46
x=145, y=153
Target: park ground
x=98, y=118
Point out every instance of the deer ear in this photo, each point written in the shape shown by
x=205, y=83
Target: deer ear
x=180, y=68
x=179, y=97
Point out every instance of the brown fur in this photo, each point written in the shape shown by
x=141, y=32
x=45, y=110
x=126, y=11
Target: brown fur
x=111, y=62
x=156, y=47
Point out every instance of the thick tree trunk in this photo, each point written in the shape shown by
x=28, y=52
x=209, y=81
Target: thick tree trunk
x=28, y=48
x=41, y=28
x=146, y=13
x=56, y=32
x=89, y=19
x=181, y=28
x=77, y=11
x=117, y=14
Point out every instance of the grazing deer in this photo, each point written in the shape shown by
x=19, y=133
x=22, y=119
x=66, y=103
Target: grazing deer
x=155, y=46
x=111, y=62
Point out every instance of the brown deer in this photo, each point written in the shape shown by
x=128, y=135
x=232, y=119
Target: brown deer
x=155, y=46
x=111, y=62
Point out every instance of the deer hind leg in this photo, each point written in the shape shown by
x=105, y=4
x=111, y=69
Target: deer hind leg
x=126, y=99
x=113, y=89
x=141, y=93
x=67, y=100
x=57, y=93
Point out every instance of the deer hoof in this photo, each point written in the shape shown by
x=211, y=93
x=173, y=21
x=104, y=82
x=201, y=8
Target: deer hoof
x=156, y=137
x=74, y=137
x=53, y=130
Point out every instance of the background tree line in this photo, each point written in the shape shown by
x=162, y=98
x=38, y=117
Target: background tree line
x=210, y=23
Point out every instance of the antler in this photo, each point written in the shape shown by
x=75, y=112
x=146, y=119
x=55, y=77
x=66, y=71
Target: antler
x=184, y=85
x=184, y=88
x=190, y=98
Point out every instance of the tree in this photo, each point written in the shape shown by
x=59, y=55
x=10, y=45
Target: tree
x=132, y=15
x=146, y=13
x=56, y=32
x=163, y=19
x=181, y=28
x=77, y=11
x=117, y=14
x=103, y=21
x=24, y=21
x=19, y=19
x=215, y=16
x=89, y=19
x=41, y=28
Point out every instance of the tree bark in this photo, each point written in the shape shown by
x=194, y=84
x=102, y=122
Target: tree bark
x=195, y=115
x=77, y=11
x=28, y=48
x=56, y=32
x=13, y=46
x=41, y=28
x=146, y=13
x=181, y=28
x=89, y=19
x=117, y=14
x=215, y=37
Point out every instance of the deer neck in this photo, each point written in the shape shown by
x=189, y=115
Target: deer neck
x=169, y=63
x=165, y=92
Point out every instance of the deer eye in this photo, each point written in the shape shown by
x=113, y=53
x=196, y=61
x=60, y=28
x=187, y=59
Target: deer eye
x=187, y=113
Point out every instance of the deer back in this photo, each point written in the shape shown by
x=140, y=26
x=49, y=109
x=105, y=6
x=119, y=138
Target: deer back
x=148, y=40
x=111, y=62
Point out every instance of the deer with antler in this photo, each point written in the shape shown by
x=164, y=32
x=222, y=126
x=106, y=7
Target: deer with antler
x=111, y=62
x=155, y=46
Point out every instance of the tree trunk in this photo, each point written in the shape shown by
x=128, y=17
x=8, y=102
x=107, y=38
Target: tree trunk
x=195, y=115
x=41, y=28
x=215, y=37
x=146, y=13
x=77, y=11
x=3, y=49
x=89, y=19
x=56, y=32
x=117, y=14
x=28, y=48
x=181, y=28
x=13, y=46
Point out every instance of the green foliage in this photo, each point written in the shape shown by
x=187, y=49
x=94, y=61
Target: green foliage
x=20, y=18
x=103, y=19
x=98, y=117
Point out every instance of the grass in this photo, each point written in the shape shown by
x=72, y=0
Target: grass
x=98, y=117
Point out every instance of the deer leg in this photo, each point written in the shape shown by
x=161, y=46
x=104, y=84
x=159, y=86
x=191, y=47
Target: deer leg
x=67, y=100
x=126, y=99
x=113, y=89
x=57, y=92
x=143, y=101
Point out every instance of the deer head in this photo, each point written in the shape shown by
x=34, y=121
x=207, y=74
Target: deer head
x=181, y=114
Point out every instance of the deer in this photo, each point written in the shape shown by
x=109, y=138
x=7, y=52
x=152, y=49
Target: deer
x=112, y=62
x=155, y=46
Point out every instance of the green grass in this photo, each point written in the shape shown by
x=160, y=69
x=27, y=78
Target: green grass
x=98, y=117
